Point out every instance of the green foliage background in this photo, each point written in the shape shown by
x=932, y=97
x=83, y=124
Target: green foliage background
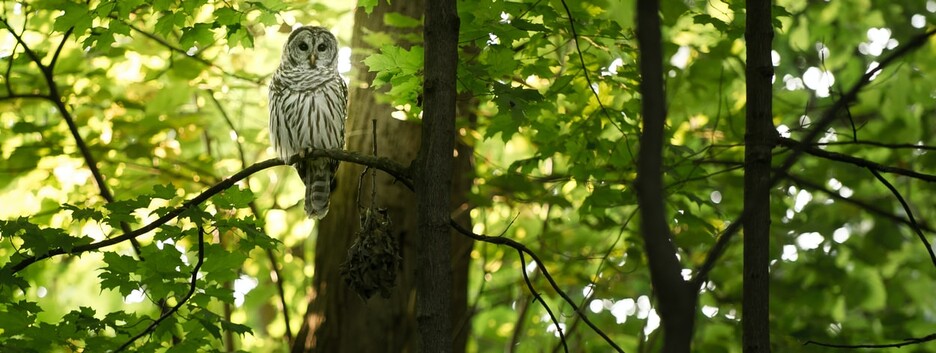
x=170, y=97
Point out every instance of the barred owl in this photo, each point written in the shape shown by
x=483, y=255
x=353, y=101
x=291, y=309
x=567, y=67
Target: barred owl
x=308, y=101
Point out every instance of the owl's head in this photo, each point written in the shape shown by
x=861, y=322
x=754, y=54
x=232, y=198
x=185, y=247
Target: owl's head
x=311, y=47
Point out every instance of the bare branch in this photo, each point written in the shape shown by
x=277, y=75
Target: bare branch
x=839, y=157
x=59, y=49
x=906, y=207
x=19, y=39
x=539, y=264
x=879, y=144
x=832, y=112
x=905, y=342
x=868, y=207
x=537, y=297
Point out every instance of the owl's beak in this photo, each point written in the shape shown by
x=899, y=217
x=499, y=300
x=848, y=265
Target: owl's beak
x=312, y=59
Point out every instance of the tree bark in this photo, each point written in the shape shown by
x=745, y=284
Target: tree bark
x=676, y=299
x=337, y=320
x=433, y=178
x=758, y=142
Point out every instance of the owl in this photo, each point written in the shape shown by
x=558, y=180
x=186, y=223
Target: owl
x=308, y=107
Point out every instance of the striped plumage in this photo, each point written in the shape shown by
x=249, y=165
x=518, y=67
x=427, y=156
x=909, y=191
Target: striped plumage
x=308, y=101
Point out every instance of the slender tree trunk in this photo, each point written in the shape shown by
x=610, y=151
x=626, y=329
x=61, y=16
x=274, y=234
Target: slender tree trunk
x=676, y=299
x=757, y=158
x=337, y=320
x=433, y=178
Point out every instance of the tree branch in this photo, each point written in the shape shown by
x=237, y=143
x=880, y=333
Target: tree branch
x=878, y=144
x=537, y=297
x=676, y=300
x=827, y=117
x=59, y=49
x=392, y=168
x=868, y=207
x=832, y=112
x=206, y=62
x=540, y=265
x=905, y=342
x=191, y=291
x=387, y=165
x=906, y=207
x=19, y=39
x=844, y=158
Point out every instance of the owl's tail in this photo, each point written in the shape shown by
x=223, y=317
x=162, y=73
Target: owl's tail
x=318, y=175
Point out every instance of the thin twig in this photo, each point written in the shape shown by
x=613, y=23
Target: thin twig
x=374, y=172
x=19, y=39
x=191, y=291
x=206, y=62
x=539, y=298
x=59, y=49
x=905, y=342
x=906, y=207
x=230, y=124
x=839, y=157
x=539, y=264
x=864, y=205
x=588, y=80
x=879, y=144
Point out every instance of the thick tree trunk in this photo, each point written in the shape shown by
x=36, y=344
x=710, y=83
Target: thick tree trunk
x=757, y=158
x=337, y=320
x=676, y=299
x=433, y=179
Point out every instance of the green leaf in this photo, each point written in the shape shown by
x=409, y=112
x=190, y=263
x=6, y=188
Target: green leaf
x=223, y=294
x=233, y=198
x=73, y=16
x=167, y=22
x=708, y=19
x=209, y=322
x=394, y=59
x=227, y=16
x=500, y=60
x=82, y=214
x=221, y=265
x=122, y=211
x=528, y=26
x=164, y=191
x=368, y=5
x=124, y=7
x=200, y=34
x=170, y=97
x=15, y=318
x=396, y=19
x=163, y=5
x=236, y=328
x=191, y=6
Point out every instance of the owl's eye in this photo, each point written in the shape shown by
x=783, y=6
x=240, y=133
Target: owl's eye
x=303, y=46
x=321, y=47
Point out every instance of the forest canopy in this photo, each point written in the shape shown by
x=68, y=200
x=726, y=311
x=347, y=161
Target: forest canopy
x=143, y=207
